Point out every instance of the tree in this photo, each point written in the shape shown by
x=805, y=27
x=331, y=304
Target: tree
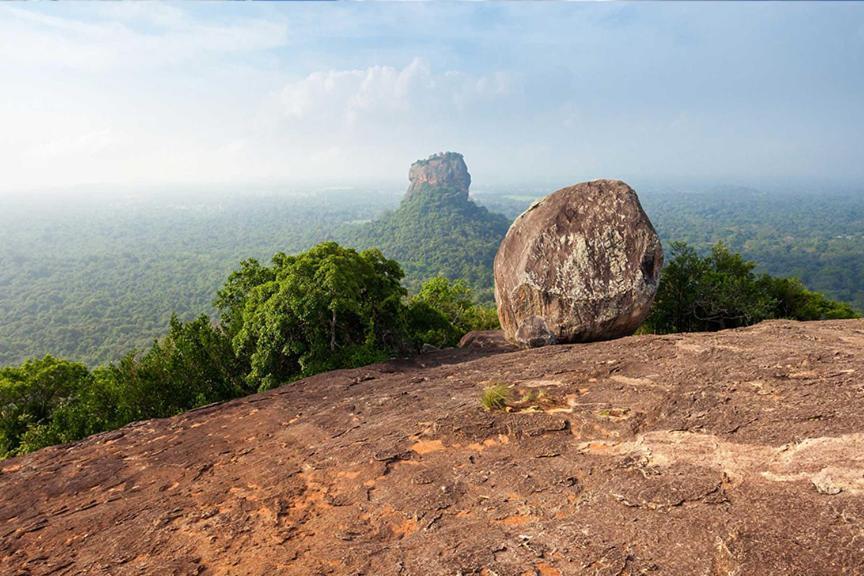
x=330, y=307
x=50, y=401
x=194, y=364
x=437, y=233
x=231, y=298
x=442, y=311
x=30, y=393
x=428, y=325
x=325, y=308
x=451, y=298
x=721, y=291
x=796, y=302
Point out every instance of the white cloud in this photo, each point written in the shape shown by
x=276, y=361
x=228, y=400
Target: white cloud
x=104, y=119
x=372, y=122
x=350, y=97
x=33, y=38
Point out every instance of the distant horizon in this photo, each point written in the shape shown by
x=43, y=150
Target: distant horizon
x=399, y=186
x=164, y=195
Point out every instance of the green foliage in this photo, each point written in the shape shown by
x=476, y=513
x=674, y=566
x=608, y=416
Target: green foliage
x=438, y=234
x=711, y=293
x=96, y=277
x=193, y=365
x=814, y=235
x=326, y=308
x=455, y=300
x=231, y=298
x=30, y=394
x=795, y=301
x=90, y=277
x=495, y=397
x=442, y=312
x=482, y=317
x=721, y=291
x=330, y=307
x=427, y=325
x=93, y=276
x=50, y=401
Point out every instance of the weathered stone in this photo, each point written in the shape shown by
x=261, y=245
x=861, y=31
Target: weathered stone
x=534, y=332
x=428, y=348
x=445, y=173
x=484, y=340
x=581, y=264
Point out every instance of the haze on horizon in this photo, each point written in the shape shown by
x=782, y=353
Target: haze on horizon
x=148, y=94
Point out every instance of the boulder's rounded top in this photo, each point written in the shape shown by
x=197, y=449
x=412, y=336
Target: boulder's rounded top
x=605, y=186
x=444, y=174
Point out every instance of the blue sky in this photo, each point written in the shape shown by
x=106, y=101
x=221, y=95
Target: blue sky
x=152, y=94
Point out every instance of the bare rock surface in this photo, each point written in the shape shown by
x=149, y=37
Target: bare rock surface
x=489, y=340
x=582, y=264
x=445, y=173
x=732, y=453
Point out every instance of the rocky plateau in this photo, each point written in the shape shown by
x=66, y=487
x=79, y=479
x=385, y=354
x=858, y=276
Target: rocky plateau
x=731, y=453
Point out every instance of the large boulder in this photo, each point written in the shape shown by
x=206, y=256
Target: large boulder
x=581, y=264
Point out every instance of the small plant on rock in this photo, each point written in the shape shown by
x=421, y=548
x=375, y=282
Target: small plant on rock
x=495, y=397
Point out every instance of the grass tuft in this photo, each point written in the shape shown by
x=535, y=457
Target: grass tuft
x=495, y=397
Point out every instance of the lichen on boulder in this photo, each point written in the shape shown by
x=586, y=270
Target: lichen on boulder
x=582, y=264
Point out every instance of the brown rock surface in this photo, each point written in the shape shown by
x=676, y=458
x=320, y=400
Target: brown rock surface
x=738, y=452
x=489, y=340
x=582, y=264
x=445, y=172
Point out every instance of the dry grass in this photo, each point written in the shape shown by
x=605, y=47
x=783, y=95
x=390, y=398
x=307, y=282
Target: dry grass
x=495, y=397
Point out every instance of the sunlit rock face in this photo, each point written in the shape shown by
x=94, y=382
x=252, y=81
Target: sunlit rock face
x=581, y=264
x=443, y=174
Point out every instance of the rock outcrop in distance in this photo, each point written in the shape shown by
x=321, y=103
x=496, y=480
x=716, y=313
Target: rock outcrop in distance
x=736, y=452
x=580, y=265
x=443, y=174
x=437, y=229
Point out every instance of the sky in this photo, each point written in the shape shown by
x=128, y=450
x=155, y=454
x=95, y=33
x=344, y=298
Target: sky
x=146, y=94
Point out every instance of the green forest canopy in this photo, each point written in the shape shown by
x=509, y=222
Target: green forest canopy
x=437, y=234
x=721, y=290
x=333, y=307
x=92, y=278
x=329, y=307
